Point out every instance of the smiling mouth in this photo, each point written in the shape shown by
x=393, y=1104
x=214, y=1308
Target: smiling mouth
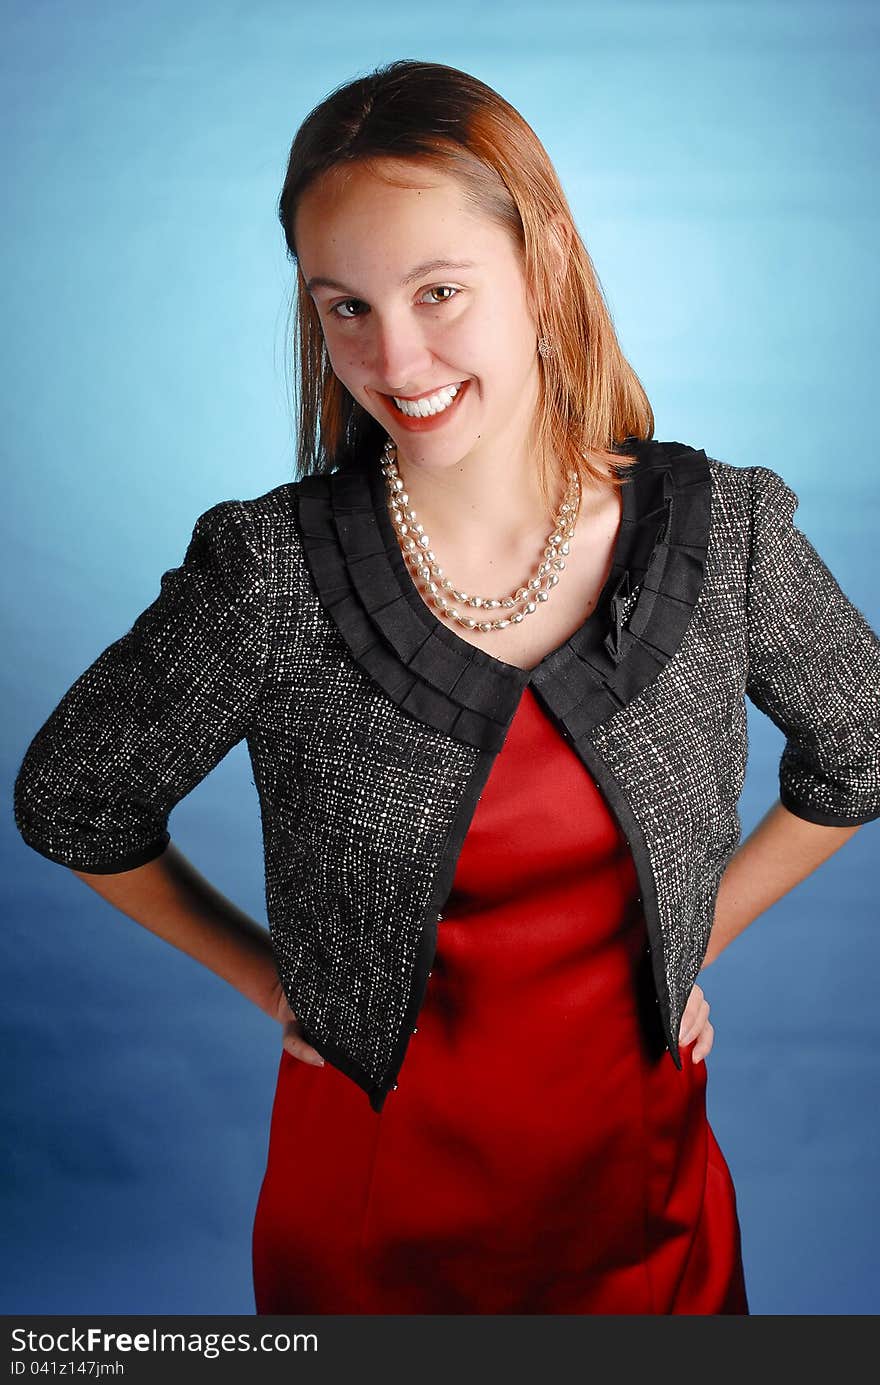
x=428, y=405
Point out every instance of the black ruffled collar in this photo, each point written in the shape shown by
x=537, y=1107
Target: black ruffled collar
x=363, y=582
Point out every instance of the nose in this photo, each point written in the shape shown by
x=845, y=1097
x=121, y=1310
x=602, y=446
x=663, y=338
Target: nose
x=401, y=359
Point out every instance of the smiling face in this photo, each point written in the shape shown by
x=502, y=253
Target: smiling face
x=416, y=291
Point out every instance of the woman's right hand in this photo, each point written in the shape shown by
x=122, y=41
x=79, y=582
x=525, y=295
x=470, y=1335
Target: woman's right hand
x=293, y=1042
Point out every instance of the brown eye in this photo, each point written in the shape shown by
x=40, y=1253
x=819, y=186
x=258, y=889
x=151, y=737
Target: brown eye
x=443, y=288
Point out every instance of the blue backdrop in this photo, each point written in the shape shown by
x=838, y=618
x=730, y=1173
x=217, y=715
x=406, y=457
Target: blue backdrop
x=720, y=160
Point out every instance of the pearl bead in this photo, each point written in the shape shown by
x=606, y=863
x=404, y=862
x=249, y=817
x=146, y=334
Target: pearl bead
x=422, y=560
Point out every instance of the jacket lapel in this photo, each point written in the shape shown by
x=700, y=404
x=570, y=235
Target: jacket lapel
x=364, y=584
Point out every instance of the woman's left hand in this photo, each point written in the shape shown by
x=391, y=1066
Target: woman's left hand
x=695, y=1024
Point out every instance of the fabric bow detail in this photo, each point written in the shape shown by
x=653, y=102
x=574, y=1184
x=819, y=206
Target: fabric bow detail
x=619, y=610
x=627, y=597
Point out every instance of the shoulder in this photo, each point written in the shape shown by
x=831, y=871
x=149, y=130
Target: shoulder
x=727, y=508
x=239, y=546
x=273, y=508
x=752, y=501
x=740, y=495
x=652, y=453
x=257, y=525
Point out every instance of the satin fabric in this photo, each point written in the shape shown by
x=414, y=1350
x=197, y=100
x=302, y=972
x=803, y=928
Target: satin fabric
x=542, y=1153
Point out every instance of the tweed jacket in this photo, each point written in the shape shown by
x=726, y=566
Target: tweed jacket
x=293, y=623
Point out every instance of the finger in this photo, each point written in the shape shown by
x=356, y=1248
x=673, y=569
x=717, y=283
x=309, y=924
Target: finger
x=703, y=1047
x=695, y=999
x=296, y=1045
x=691, y=1010
x=298, y=1048
x=690, y=1028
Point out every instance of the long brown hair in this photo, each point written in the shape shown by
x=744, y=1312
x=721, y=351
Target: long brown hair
x=589, y=397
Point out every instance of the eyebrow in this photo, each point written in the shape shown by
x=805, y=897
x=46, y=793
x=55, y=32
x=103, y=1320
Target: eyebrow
x=427, y=267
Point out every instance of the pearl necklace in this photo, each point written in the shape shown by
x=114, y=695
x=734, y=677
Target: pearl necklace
x=422, y=562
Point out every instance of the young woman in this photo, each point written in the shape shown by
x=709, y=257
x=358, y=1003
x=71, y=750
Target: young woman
x=489, y=653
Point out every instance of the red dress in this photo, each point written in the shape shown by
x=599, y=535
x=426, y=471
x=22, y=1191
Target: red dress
x=542, y=1153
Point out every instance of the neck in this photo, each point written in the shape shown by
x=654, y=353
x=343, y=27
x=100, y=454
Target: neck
x=491, y=496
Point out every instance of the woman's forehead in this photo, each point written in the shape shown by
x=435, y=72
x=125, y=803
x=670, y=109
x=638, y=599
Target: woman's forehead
x=385, y=180
x=355, y=208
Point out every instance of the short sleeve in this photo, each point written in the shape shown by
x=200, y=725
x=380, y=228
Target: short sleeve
x=814, y=667
x=155, y=712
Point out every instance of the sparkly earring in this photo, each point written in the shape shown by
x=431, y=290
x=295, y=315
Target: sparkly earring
x=545, y=346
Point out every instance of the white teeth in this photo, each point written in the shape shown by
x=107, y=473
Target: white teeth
x=424, y=408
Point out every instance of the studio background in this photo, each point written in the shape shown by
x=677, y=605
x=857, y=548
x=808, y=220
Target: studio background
x=720, y=161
